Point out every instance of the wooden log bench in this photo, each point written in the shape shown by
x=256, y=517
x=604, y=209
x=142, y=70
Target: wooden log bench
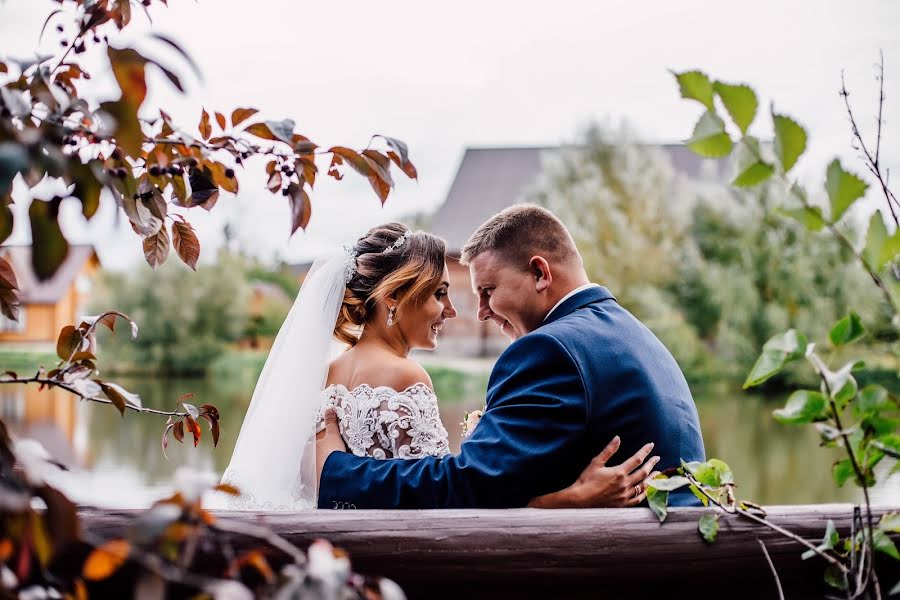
x=530, y=553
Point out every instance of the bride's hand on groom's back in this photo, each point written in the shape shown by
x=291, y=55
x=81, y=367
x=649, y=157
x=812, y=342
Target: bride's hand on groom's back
x=600, y=486
x=327, y=441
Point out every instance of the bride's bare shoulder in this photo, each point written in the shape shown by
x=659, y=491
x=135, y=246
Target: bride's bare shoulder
x=353, y=369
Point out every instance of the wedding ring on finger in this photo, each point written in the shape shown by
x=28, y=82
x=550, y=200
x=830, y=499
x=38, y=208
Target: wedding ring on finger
x=637, y=490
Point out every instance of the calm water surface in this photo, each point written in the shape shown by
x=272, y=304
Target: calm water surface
x=119, y=462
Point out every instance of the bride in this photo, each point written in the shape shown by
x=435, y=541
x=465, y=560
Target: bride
x=383, y=297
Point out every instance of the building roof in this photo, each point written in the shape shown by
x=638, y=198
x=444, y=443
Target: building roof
x=491, y=179
x=33, y=291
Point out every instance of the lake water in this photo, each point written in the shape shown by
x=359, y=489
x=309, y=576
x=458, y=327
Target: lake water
x=118, y=462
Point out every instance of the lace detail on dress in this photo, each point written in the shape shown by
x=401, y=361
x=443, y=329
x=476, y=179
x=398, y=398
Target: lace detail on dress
x=248, y=501
x=383, y=423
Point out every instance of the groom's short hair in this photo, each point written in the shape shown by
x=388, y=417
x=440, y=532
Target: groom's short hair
x=519, y=233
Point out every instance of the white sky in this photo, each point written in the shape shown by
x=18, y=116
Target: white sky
x=468, y=73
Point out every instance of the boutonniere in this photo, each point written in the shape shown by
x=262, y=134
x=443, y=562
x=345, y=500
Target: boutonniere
x=470, y=420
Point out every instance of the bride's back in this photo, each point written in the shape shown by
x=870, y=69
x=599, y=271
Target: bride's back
x=375, y=367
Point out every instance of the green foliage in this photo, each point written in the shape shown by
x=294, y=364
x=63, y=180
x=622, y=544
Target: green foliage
x=186, y=321
x=708, y=525
x=803, y=406
x=847, y=330
x=868, y=431
x=843, y=189
x=740, y=102
x=831, y=539
x=695, y=85
x=881, y=249
x=777, y=352
x=790, y=141
x=751, y=168
x=709, y=138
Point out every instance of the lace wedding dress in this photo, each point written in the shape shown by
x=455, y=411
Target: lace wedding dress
x=381, y=422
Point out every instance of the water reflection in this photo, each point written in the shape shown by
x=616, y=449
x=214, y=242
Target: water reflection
x=119, y=462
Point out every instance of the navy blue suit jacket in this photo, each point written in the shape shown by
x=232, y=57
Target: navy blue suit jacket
x=555, y=398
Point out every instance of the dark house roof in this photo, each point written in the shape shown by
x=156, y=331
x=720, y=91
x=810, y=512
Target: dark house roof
x=32, y=291
x=491, y=179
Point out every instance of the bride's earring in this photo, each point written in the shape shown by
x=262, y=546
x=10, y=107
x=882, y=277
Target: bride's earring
x=390, y=319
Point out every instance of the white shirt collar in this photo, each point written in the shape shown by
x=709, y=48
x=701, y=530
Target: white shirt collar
x=580, y=288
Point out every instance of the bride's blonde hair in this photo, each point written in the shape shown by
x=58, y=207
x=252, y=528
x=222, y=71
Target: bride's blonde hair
x=409, y=273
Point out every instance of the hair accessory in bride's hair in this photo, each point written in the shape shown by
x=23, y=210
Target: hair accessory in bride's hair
x=400, y=241
x=350, y=263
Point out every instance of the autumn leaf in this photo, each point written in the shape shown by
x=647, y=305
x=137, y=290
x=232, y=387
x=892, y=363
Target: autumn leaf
x=106, y=560
x=301, y=209
x=241, y=114
x=205, y=127
x=354, y=158
x=156, y=248
x=220, y=119
x=186, y=243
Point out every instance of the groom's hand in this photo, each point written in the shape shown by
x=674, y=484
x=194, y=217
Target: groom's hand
x=327, y=441
x=600, y=486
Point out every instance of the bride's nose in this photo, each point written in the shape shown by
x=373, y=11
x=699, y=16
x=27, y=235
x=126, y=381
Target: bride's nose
x=449, y=310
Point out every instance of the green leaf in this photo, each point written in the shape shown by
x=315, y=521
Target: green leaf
x=803, y=406
x=777, y=352
x=832, y=537
x=702, y=497
x=790, y=141
x=810, y=217
x=847, y=330
x=871, y=399
x=709, y=527
x=842, y=471
x=890, y=522
x=709, y=138
x=48, y=247
x=883, y=543
x=695, y=85
x=841, y=383
x=740, y=102
x=843, y=189
x=835, y=578
x=658, y=500
x=669, y=484
x=880, y=249
x=750, y=167
x=712, y=473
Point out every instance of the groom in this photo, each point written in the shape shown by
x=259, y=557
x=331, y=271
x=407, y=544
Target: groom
x=581, y=369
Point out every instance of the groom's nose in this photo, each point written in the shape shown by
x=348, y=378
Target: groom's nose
x=484, y=309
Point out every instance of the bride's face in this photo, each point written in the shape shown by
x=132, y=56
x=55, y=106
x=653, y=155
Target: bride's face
x=421, y=322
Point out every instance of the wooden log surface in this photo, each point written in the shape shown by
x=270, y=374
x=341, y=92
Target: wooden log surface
x=561, y=553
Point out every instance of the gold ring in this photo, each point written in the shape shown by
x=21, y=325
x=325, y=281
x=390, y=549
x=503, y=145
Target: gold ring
x=637, y=490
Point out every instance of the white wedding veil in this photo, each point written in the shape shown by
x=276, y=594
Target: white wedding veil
x=274, y=460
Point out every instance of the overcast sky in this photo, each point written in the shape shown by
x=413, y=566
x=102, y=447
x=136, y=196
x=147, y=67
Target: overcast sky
x=462, y=74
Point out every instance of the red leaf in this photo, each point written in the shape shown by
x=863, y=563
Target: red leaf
x=220, y=119
x=301, y=209
x=205, y=127
x=275, y=182
x=354, y=158
x=178, y=431
x=407, y=167
x=156, y=248
x=7, y=276
x=261, y=130
x=186, y=243
x=241, y=114
x=194, y=428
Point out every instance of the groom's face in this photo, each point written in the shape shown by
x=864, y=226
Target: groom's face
x=506, y=295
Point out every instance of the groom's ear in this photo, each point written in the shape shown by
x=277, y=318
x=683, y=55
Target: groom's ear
x=540, y=270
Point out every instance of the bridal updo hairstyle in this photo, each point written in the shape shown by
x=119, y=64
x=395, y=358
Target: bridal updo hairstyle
x=409, y=273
